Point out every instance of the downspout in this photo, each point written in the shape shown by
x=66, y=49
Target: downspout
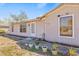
x=43, y=35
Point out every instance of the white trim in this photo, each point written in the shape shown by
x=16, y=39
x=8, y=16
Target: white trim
x=33, y=34
x=28, y=29
x=72, y=27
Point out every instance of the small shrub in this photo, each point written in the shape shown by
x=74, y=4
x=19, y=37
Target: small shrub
x=63, y=51
x=54, y=49
x=54, y=46
x=37, y=42
x=72, y=52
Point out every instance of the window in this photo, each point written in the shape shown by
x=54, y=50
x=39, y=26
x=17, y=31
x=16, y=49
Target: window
x=66, y=26
x=23, y=27
x=33, y=28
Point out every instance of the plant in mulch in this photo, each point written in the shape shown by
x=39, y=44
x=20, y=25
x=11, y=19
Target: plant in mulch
x=63, y=51
x=54, y=49
x=44, y=48
x=30, y=44
x=72, y=51
x=77, y=52
x=37, y=44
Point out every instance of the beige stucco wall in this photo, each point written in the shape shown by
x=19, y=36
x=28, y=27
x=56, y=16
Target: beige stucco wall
x=40, y=29
x=29, y=33
x=16, y=30
x=52, y=24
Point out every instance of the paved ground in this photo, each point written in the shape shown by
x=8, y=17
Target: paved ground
x=9, y=47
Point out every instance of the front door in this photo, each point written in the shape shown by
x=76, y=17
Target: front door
x=28, y=31
x=32, y=29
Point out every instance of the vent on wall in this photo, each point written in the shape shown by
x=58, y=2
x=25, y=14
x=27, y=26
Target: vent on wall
x=28, y=24
x=67, y=13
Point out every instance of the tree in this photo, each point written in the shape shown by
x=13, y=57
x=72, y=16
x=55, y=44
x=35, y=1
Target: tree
x=14, y=17
x=1, y=21
x=7, y=20
x=21, y=17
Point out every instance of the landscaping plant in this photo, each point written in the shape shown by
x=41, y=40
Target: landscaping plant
x=44, y=48
x=54, y=48
x=30, y=44
x=37, y=44
x=63, y=51
x=72, y=52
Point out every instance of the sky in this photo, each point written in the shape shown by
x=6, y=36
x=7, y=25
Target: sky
x=32, y=10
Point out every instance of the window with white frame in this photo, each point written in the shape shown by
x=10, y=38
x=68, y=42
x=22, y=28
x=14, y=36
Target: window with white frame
x=66, y=26
x=23, y=27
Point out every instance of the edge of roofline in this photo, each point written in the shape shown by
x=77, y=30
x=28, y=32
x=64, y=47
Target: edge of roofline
x=46, y=14
x=43, y=16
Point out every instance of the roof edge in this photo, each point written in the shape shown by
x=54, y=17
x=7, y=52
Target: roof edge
x=52, y=10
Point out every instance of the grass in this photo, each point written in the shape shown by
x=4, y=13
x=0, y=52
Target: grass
x=2, y=30
x=8, y=47
x=11, y=51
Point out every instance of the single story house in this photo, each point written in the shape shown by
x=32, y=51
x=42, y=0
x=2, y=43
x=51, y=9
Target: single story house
x=30, y=28
x=59, y=25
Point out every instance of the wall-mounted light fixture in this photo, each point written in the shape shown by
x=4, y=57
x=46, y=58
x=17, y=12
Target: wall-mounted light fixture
x=58, y=15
